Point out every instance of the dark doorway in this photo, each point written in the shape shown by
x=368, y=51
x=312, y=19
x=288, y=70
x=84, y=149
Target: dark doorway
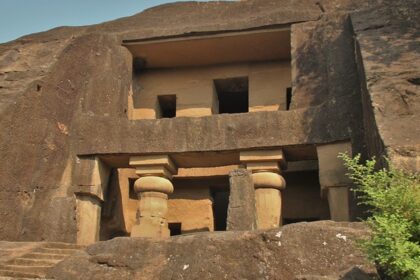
x=131, y=192
x=292, y=221
x=112, y=217
x=288, y=97
x=175, y=228
x=232, y=94
x=167, y=105
x=301, y=201
x=220, y=205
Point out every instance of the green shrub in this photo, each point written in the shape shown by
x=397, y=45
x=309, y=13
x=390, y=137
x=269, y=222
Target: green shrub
x=393, y=197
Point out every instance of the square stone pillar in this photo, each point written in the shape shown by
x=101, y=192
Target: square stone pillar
x=334, y=182
x=265, y=166
x=242, y=210
x=339, y=202
x=88, y=217
x=152, y=188
x=92, y=177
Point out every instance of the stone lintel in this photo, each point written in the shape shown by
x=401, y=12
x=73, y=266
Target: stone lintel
x=201, y=172
x=254, y=158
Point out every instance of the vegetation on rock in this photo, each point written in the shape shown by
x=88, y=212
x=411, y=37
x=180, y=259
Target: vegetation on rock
x=393, y=197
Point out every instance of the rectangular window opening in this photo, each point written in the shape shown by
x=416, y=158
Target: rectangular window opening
x=288, y=97
x=174, y=228
x=167, y=106
x=232, y=95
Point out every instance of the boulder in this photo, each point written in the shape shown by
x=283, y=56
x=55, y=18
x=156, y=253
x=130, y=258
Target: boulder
x=317, y=250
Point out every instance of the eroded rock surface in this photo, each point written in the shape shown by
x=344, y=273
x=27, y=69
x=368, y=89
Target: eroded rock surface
x=318, y=250
x=241, y=211
x=388, y=40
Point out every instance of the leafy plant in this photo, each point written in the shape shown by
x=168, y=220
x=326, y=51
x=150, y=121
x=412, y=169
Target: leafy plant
x=393, y=197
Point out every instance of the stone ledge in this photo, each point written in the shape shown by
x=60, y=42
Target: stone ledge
x=322, y=124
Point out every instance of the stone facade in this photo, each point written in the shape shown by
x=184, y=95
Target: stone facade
x=132, y=127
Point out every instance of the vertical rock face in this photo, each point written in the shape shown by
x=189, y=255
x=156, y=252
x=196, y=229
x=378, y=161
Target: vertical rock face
x=324, y=71
x=241, y=211
x=67, y=89
x=388, y=52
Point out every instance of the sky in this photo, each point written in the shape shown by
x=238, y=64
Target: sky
x=22, y=17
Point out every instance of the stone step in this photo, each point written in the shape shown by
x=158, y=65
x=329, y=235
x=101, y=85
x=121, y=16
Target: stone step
x=35, y=264
x=45, y=256
x=22, y=278
x=34, y=261
x=20, y=274
x=39, y=270
x=56, y=251
x=59, y=245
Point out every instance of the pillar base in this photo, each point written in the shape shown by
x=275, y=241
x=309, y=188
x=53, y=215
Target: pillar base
x=151, y=227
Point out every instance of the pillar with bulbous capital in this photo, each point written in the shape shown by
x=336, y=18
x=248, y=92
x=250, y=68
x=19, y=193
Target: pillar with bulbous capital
x=268, y=183
x=152, y=189
x=268, y=186
x=153, y=206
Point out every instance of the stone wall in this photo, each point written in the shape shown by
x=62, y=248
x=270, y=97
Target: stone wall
x=388, y=59
x=191, y=205
x=195, y=92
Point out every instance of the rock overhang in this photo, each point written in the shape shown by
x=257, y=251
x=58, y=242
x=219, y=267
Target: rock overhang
x=211, y=48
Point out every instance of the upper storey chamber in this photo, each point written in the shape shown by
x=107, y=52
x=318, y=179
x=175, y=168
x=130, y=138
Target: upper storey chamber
x=208, y=74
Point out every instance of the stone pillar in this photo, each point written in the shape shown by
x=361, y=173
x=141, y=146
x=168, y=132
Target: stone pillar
x=268, y=186
x=241, y=211
x=265, y=166
x=334, y=182
x=91, y=181
x=88, y=218
x=339, y=202
x=152, y=189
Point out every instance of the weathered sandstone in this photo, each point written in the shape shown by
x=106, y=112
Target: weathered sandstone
x=320, y=250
